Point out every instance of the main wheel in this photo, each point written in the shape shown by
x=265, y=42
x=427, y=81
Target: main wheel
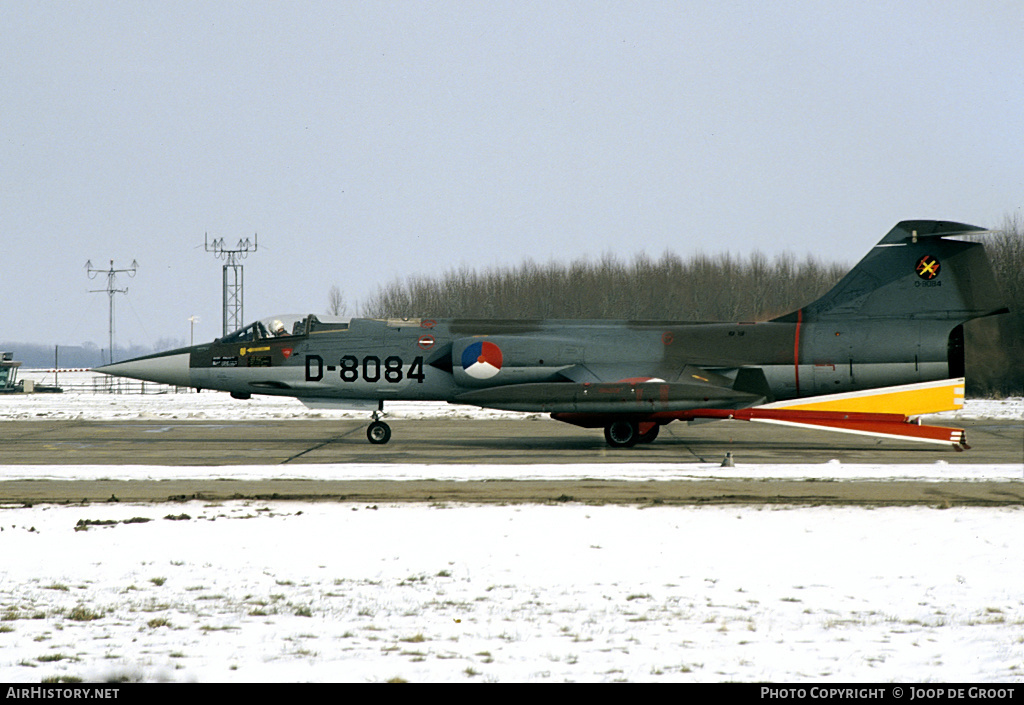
x=621, y=434
x=378, y=433
x=650, y=435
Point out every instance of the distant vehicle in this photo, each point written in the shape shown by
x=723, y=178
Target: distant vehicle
x=881, y=348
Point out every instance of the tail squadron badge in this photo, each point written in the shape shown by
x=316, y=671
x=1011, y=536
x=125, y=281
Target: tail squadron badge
x=927, y=267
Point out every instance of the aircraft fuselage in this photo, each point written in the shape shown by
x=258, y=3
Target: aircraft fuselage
x=428, y=360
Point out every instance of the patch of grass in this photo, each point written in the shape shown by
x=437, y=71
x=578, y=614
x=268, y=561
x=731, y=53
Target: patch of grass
x=417, y=639
x=81, y=613
x=155, y=607
x=51, y=658
x=84, y=524
x=158, y=622
x=158, y=581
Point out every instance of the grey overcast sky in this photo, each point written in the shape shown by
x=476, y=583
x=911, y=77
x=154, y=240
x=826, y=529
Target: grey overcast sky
x=369, y=141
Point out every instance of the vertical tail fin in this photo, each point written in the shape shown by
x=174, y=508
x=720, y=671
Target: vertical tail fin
x=914, y=273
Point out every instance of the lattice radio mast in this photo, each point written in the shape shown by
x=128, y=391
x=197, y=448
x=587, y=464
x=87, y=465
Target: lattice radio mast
x=233, y=275
x=111, y=290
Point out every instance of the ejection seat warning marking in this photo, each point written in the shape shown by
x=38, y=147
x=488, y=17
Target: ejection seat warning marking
x=243, y=351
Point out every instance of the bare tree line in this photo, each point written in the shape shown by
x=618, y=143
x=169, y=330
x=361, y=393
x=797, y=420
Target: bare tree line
x=995, y=345
x=704, y=287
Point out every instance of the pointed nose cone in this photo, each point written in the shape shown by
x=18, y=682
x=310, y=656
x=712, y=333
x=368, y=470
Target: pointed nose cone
x=165, y=368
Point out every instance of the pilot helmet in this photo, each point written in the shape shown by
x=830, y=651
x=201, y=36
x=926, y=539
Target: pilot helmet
x=277, y=326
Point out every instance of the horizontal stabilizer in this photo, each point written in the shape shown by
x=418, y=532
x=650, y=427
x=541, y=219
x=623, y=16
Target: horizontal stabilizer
x=914, y=230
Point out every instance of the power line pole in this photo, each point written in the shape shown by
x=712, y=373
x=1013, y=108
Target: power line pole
x=192, y=330
x=233, y=272
x=111, y=290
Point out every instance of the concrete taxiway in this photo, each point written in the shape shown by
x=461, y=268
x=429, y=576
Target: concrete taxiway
x=482, y=442
x=274, y=442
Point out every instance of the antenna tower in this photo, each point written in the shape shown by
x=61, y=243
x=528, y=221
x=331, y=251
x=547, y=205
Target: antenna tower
x=233, y=275
x=111, y=290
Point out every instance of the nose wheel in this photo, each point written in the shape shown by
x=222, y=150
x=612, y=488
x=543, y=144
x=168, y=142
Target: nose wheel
x=378, y=432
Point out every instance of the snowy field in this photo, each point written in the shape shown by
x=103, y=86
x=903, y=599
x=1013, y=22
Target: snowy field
x=287, y=592
x=296, y=591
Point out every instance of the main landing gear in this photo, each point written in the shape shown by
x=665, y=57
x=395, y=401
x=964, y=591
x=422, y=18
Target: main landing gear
x=623, y=433
x=378, y=432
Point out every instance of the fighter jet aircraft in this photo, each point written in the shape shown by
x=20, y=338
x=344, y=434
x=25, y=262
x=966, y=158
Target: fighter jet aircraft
x=881, y=348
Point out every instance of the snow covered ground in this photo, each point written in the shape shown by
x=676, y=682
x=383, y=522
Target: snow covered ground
x=258, y=591
x=295, y=591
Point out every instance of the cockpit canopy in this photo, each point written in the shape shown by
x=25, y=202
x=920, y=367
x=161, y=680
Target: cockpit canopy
x=285, y=325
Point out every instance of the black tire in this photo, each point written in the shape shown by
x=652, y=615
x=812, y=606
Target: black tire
x=621, y=434
x=650, y=435
x=378, y=433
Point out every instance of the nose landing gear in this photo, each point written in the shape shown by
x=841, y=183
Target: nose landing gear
x=378, y=432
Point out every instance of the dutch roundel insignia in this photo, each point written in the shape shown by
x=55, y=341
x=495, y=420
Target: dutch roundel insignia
x=482, y=359
x=927, y=267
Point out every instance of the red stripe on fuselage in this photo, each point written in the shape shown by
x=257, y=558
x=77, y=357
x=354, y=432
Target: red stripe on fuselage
x=796, y=349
